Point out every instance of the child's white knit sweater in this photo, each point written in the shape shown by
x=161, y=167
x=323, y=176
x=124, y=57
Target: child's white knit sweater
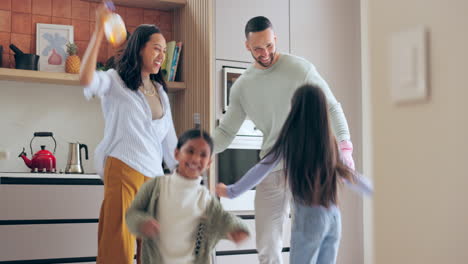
x=181, y=204
x=191, y=220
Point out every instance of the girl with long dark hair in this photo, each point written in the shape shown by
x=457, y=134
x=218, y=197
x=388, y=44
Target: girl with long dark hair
x=314, y=170
x=139, y=131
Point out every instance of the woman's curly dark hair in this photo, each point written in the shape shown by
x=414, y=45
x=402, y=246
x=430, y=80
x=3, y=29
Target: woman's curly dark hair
x=130, y=62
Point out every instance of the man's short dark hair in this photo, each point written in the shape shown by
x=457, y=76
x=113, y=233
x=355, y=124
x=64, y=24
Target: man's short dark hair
x=257, y=24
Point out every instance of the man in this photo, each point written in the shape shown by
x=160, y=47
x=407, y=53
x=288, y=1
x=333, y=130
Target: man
x=263, y=93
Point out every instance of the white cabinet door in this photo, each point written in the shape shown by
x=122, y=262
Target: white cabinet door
x=231, y=17
x=25, y=202
x=245, y=259
x=249, y=244
x=33, y=242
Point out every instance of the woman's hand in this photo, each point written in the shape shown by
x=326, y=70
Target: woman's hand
x=88, y=62
x=149, y=228
x=238, y=236
x=102, y=12
x=221, y=190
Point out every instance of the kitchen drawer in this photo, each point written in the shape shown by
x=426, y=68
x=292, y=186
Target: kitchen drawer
x=48, y=241
x=227, y=245
x=22, y=202
x=245, y=259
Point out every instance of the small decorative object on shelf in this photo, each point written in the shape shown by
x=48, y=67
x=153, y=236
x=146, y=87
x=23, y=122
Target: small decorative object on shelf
x=72, y=64
x=51, y=43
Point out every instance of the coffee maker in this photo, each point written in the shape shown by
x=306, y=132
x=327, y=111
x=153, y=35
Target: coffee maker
x=74, y=164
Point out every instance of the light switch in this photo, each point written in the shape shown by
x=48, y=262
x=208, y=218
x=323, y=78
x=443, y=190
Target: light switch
x=4, y=155
x=409, y=65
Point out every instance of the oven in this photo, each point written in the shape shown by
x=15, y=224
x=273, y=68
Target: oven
x=241, y=155
x=243, y=152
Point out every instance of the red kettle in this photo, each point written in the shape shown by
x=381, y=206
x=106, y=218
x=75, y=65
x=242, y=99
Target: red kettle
x=43, y=160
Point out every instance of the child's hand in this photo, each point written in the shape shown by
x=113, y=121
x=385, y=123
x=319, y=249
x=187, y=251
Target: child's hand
x=221, y=190
x=237, y=236
x=150, y=228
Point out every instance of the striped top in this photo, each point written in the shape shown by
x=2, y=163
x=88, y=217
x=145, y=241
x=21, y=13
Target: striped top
x=130, y=134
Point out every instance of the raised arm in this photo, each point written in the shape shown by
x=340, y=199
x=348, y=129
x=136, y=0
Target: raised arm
x=88, y=65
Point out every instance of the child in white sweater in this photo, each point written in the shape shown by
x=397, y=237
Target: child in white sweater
x=179, y=220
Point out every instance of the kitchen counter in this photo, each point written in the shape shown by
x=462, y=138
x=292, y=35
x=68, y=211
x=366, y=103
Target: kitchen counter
x=49, y=178
x=49, y=217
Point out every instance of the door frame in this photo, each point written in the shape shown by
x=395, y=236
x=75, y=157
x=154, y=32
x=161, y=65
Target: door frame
x=367, y=140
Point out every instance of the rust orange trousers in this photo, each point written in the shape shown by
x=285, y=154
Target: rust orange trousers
x=116, y=245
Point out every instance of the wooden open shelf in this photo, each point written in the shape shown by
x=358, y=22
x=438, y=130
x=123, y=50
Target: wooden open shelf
x=38, y=76
x=59, y=78
x=155, y=4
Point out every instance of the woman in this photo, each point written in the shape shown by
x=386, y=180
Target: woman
x=139, y=131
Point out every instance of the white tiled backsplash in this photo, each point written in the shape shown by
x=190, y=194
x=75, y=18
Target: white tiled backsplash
x=26, y=108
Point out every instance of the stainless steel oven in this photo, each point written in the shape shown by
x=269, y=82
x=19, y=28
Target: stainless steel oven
x=243, y=152
x=236, y=160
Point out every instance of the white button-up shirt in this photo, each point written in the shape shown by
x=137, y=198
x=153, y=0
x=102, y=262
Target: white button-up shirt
x=130, y=134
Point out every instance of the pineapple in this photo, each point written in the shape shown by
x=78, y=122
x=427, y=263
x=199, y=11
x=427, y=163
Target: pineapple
x=72, y=64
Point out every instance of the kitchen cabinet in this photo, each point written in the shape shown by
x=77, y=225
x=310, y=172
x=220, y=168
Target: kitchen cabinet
x=49, y=217
x=230, y=20
x=229, y=252
x=48, y=241
x=246, y=258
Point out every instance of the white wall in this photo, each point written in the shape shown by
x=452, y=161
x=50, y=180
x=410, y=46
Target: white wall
x=327, y=33
x=26, y=108
x=420, y=149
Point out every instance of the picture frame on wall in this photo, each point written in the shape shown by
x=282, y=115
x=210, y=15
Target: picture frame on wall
x=51, y=43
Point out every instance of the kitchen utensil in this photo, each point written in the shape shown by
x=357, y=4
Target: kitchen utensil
x=43, y=160
x=114, y=27
x=74, y=164
x=23, y=60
